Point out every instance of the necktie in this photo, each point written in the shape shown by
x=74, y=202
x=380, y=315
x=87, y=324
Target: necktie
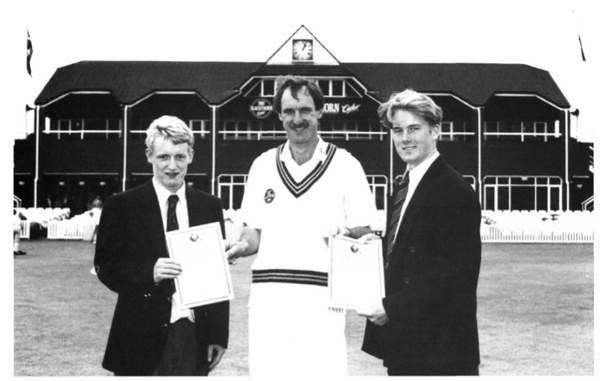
x=171, y=215
x=401, y=192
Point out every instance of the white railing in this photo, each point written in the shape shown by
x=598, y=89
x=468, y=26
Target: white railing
x=506, y=227
x=537, y=226
x=495, y=234
x=71, y=230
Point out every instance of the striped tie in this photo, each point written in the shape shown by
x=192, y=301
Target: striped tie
x=395, y=217
x=172, y=223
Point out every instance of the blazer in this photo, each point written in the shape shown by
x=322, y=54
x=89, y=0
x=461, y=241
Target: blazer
x=431, y=280
x=130, y=240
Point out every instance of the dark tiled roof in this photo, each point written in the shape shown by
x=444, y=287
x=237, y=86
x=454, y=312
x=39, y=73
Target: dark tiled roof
x=473, y=82
x=129, y=81
x=132, y=80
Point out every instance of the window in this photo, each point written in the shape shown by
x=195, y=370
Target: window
x=337, y=88
x=455, y=131
x=379, y=187
x=520, y=130
x=200, y=127
x=230, y=189
x=251, y=130
x=447, y=131
x=351, y=130
x=332, y=87
x=522, y=193
x=80, y=127
x=267, y=88
x=351, y=91
x=323, y=85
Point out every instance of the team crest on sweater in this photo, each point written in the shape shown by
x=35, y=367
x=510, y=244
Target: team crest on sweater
x=269, y=195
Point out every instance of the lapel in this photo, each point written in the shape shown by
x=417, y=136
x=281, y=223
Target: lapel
x=194, y=206
x=424, y=192
x=151, y=221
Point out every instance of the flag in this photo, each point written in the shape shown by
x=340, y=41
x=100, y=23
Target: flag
x=581, y=48
x=29, y=53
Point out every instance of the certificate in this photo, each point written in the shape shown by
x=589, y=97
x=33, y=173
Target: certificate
x=356, y=272
x=205, y=276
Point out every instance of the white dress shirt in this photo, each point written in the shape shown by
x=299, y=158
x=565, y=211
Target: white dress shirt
x=414, y=178
x=177, y=312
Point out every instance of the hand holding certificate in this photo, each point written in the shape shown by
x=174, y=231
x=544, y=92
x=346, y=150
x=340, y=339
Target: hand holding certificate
x=356, y=272
x=205, y=277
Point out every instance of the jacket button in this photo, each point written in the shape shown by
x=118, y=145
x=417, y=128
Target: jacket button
x=168, y=298
x=412, y=249
x=405, y=280
x=165, y=325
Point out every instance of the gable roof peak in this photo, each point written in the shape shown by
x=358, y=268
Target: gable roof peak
x=302, y=48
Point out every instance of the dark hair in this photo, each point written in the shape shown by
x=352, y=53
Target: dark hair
x=295, y=84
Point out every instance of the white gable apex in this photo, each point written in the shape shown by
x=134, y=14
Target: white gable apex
x=302, y=48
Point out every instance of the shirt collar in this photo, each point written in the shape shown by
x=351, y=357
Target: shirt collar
x=417, y=173
x=319, y=155
x=163, y=193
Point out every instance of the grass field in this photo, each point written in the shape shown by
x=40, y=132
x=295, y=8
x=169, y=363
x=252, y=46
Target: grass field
x=535, y=313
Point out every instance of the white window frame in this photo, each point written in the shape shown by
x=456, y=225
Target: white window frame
x=263, y=92
x=231, y=130
x=205, y=127
x=234, y=182
x=341, y=131
x=328, y=93
x=379, y=188
x=82, y=131
x=498, y=133
x=551, y=183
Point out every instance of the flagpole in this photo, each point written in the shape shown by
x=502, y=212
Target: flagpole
x=37, y=156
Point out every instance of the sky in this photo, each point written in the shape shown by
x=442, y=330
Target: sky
x=543, y=34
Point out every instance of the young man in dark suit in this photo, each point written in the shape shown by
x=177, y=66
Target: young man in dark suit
x=151, y=334
x=426, y=324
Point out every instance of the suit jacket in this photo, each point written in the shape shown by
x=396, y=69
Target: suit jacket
x=130, y=240
x=431, y=280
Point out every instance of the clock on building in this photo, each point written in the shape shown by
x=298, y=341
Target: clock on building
x=302, y=50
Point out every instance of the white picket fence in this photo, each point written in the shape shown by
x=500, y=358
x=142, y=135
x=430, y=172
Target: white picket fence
x=494, y=234
x=537, y=226
x=503, y=226
x=70, y=230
